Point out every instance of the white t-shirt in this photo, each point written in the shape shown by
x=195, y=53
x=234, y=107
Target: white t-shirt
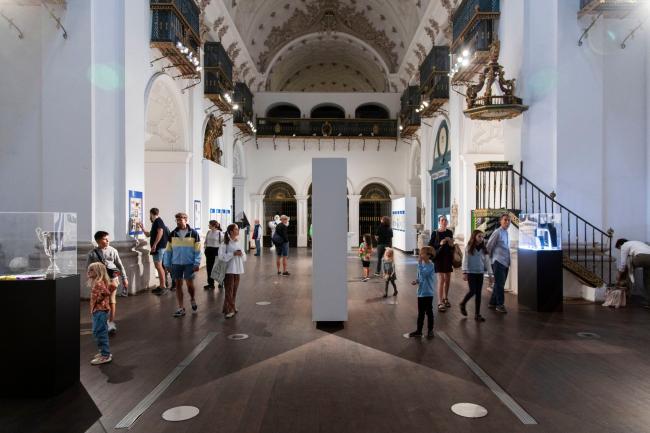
x=235, y=263
x=213, y=238
x=632, y=248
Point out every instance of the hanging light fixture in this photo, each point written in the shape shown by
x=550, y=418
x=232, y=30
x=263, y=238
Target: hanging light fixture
x=489, y=106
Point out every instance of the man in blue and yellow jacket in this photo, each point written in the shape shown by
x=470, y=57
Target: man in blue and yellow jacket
x=183, y=257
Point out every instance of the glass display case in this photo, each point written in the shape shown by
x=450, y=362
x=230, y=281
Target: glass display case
x=540, y=231
x=37, y=245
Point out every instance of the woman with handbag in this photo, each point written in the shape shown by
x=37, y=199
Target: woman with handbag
x=442, y=241
x=233, y=254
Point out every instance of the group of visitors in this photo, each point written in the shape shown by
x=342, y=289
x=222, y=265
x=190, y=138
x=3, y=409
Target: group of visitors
x=436, y=263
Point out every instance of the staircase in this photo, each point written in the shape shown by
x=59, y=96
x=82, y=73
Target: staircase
x=587, y=250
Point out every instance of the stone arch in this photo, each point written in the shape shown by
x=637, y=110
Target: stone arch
x=272, y=180
x=379, y=180
x=327, y=105
x=277, y=105
x=305, y=187
x=359, y=111
x=165, y=116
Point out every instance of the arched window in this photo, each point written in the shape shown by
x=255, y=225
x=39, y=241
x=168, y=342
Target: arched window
x=371, y=111
x=327, y=111
x=285, y=111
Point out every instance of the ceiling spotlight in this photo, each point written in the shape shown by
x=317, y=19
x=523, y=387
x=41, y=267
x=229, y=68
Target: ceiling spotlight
x=179, y=45
x=465, y=62
x=425, y=103
x=401, y=127
x=465, y=52
x=235, y=107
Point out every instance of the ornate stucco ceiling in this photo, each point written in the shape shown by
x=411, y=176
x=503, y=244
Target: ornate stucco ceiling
x=327, y=45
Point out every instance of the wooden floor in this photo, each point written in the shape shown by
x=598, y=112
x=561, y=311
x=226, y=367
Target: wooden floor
x=291, y=377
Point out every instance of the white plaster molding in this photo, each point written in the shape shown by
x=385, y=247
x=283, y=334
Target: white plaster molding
x=274, y=179
x=379, y=180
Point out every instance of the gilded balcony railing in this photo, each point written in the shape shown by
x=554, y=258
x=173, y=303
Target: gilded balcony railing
x=351, y=128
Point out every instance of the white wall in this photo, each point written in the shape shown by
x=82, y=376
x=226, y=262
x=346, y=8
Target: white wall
x=217, y=190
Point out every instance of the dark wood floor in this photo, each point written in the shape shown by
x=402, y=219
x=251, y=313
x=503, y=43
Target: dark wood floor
x=291, y=377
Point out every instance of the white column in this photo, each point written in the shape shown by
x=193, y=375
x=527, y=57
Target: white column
x=302, y=219
x=353, y=217
x=257, y=205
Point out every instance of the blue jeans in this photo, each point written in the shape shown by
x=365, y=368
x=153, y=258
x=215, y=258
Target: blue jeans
x=500, y=275
x=100, y=331
x=258, y=247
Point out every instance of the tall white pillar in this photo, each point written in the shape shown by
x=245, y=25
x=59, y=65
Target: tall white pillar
x=257, y=205
x=239, y=184
x=353, y=216
x=301, y=200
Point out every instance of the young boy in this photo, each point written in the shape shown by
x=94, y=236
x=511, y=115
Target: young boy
x=426, y=281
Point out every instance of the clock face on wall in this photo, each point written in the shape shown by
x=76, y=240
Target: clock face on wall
x=442, y=145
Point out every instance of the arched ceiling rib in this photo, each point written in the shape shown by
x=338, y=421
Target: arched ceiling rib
x=267, y=26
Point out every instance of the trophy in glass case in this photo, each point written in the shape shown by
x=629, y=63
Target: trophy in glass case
x=52, y=244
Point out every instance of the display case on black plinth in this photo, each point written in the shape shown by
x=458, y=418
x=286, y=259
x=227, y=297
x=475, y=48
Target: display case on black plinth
x=40, y=286
x=540, y=262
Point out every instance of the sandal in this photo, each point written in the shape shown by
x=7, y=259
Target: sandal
x=442, y=308
x=446, y=301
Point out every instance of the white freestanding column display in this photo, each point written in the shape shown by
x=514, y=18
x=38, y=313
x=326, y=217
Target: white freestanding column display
x=329, y=253
x=403, y=221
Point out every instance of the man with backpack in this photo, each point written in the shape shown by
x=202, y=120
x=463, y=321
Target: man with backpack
x=158, y=237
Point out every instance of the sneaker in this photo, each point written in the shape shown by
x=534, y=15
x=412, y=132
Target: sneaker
x=207, y=286
x=279, y=273
x=386, y=295
x=112, y=328
x=194, y=307
x=229, y=315
x=415, y=334
x=501, y=309
x=430, y=334
x=377, y=274
x=97, y=355
x=179, y=313
x=447, y=304
x=158, y=291
x=463, y=310
x=479, y=318
x=365, y=279
x=492, y=306
x=101, y=359
x=122, y=294
x=285, y=274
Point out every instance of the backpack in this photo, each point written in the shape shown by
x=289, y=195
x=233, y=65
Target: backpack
x=166, y=233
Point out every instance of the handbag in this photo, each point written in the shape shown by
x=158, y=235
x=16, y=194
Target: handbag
x=615, y=298
x=219, y=270
x=112, y=273
x=457, y=261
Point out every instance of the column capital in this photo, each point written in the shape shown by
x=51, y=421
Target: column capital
x=301, y=197
x=354, y=196
x=257, y=196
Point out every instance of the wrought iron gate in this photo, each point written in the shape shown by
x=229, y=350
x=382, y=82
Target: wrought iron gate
x=280, y=200
x=374, y=203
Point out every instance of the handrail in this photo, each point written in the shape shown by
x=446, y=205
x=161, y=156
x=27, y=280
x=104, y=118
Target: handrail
x=496, y=191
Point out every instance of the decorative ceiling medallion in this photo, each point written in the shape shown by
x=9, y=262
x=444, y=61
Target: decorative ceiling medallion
x=488, y=106
x=328, y=16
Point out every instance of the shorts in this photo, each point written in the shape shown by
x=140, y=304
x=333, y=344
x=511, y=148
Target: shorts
x=182, y=272
x=158, y=255
x=366, y=264
x=116, y=282
x=282, y=250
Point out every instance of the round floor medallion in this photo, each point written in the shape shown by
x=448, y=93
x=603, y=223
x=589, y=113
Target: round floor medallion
x=469, y=410
x=587, y=335
x=238, y=336
x=263, y=303
x=180, y=413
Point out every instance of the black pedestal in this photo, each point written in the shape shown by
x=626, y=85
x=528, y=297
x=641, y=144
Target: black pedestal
x=40, y=337
x=540, y=279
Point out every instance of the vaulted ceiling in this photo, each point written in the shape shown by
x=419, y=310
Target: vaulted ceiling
x=328, y=45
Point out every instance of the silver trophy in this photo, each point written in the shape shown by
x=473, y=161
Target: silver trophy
x=52, y=244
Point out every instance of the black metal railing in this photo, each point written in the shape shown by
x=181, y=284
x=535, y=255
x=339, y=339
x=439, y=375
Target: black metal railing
x=409, y=102
x=466, y=12
x=216, y=58
x=244, y=98
x=479, y=37
x=187, y=8
x=435, y=63
x=438, y=88
x=500, y=186
x=283, y=127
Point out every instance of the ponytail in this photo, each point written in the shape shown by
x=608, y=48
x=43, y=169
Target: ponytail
x=226, y=238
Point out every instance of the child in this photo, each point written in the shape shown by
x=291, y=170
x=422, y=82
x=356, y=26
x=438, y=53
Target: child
x=389, y=271
x=100, y=294
x=476, y=262
x=426, y=281
x=365, y=252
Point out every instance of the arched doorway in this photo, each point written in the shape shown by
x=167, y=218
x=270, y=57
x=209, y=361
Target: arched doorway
x=373, y=204
x=167, y=156
x=441, y=176
x=280, y=199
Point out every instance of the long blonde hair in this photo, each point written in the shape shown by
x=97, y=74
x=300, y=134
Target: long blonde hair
x=100, y=274
x=388, y=254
